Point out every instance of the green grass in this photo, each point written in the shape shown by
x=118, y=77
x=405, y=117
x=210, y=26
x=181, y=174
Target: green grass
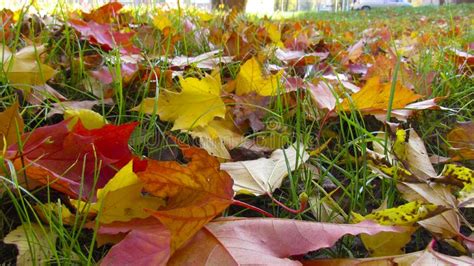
x=343, y=165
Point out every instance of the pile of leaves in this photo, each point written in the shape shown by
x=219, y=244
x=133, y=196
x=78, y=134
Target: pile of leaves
x=146, y=137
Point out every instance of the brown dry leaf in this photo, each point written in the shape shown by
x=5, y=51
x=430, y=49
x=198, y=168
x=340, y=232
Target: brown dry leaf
x=11, y=126
x=461, y=140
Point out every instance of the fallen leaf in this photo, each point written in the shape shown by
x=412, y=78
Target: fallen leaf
x=389, y=243
x=61, y=107
x=68, y=160
x=90, y=119
x=24, y=68
x=104, y=35
x=244, y=241
x=250, y=79
x=196, y=192
x=196, y=105
x=375, y=96
x=121, y=199
x=264, y=175
x=209, y=60
x=322, y=96
x=11, y=126
x=425, y=257
x=105, y=13
x=34, y=243
x=461, y=140
x=218, y=137
x=143, y=245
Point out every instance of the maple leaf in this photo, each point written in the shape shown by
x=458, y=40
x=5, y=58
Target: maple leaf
x=24, y=67
x=375, y=96
x=196, y=192
x=105, y=13
x=104, y=35
x=198, y=103
x=243, y=241
x=264, y=175
x=251, y=79
x=11, y=126
x=147, y=243
x=73, y=160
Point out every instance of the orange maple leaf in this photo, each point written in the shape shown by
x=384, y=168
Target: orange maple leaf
x=196, y=192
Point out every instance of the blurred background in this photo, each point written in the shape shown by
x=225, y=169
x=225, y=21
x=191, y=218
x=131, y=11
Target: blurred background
x=250, y=6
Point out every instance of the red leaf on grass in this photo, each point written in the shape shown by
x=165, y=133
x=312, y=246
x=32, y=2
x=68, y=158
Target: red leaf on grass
x=265, y=241
x=104, y=35
x=64, y=158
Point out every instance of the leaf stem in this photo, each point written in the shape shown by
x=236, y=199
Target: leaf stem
x=303, y=204
x=251, y=207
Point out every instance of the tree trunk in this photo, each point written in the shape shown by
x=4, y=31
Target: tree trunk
x=229, y=4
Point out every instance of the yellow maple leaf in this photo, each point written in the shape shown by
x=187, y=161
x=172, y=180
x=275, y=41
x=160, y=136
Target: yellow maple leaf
x=375, y=96
x=274, y=33
x=251, y=79
x=198, y=103
x=23, y=69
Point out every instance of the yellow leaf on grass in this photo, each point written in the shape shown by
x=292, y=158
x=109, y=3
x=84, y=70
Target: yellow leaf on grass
x=24, y=68
x=389, y=243
x=121, y=199
x=11, y=126
x=375, y=96
x=251, y=79
x=217, y=137
x=274, y=33
x=161, y=21
x=34, y=244
x=89, y=119
x=196, y=105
